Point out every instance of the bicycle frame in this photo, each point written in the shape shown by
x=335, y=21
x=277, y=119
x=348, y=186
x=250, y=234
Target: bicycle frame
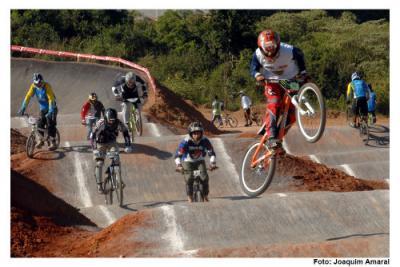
x=282, y=127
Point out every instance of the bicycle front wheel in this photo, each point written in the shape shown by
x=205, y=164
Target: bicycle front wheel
x=108, y=190
x=138, y=123
x=30, y=145
x=232, y=121
x=255, y=180
x=118, y=185
x=311, y=114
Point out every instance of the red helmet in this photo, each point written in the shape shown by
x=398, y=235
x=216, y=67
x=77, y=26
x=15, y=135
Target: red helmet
x=269, y=43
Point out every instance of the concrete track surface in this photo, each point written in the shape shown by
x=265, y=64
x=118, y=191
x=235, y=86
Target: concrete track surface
x=229, y=220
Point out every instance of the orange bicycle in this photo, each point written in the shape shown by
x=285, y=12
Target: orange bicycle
x=259, y=162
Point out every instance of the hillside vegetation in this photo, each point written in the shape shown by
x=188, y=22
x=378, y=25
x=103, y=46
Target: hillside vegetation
x=200, y=54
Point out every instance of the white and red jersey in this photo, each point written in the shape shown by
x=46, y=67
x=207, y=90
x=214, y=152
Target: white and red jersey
x=285, y=65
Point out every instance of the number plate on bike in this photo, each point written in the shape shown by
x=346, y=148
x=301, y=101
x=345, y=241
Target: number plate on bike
x=196, y=173
x=112, y=154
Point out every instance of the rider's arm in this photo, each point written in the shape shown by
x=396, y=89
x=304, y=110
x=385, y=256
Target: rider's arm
x=255, y=66
x=84, y=110
x=298, y=57
x=349, y=92
x=50, y=97
x=122, y=128
x=210, y=150
x=28, y=96
x=181, y=151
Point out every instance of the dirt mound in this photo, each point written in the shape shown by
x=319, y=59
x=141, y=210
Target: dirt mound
x=172, y=111
x=18, y=141
x=114, y=241
x=311, y=176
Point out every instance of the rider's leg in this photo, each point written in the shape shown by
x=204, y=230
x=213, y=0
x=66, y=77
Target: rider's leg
x=42, y=122
x=126, y=110
x=291, y=118
x=354, y=109
x=51, y=124
x=363, y=107
x=204, y=178
x=189, y=179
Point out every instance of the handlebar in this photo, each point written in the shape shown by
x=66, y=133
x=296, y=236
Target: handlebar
x=187, y=171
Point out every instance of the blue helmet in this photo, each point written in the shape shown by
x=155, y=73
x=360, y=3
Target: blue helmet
x=355, y=76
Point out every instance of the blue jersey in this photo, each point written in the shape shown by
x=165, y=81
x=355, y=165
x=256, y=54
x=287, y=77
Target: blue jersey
x=358, y=88
x=372, y=102
x=190, y=151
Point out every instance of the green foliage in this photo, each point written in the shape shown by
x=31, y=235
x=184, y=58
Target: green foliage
x=199, y=54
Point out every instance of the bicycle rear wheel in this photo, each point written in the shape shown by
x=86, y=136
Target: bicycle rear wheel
x=312, y=121
x=259, y=120
x=254, y=181
x=232, y=121
x=57, y=138
x=118, y=185
x=30, y=145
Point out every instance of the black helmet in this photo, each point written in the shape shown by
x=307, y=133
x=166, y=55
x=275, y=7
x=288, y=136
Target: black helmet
x=195, y=127
x=110, y=115
x=37, y=78
x=93, y=96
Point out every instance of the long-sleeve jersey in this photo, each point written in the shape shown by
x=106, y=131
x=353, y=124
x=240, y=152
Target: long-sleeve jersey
x=44, y=95
x=190, y=151
x=104, y=133
x=286, y=65
x=356, y=89
x=120, y=88
x=92, y=109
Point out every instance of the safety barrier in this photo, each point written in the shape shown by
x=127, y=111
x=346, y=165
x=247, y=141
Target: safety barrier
x=77, y=56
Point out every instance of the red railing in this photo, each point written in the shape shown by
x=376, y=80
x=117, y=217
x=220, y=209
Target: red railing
x=77, y=56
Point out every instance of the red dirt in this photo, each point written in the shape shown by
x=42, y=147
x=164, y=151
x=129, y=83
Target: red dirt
x=170, y=110
x=43, y=225
x=352, y=247
x=18, y=142
x=311, y=176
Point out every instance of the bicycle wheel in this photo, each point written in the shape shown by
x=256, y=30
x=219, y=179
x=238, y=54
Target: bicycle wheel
x=57, y=138
x=198, y=197
x=254, y=181
x=259, y=120
x=232, y=121
x=30, y=145
x=138, y=123
x=108, y=190
x=217, y=123
x=118, y=185
x=366, y=140
x=311, y=114
x=349, y=114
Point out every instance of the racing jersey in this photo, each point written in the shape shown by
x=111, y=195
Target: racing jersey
x=285, y=65
x=104, y=133
x=44, y=95
x=92, y=110
x=189, y=151
x=357, y=88
x=372, y=102
x=120, y=88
